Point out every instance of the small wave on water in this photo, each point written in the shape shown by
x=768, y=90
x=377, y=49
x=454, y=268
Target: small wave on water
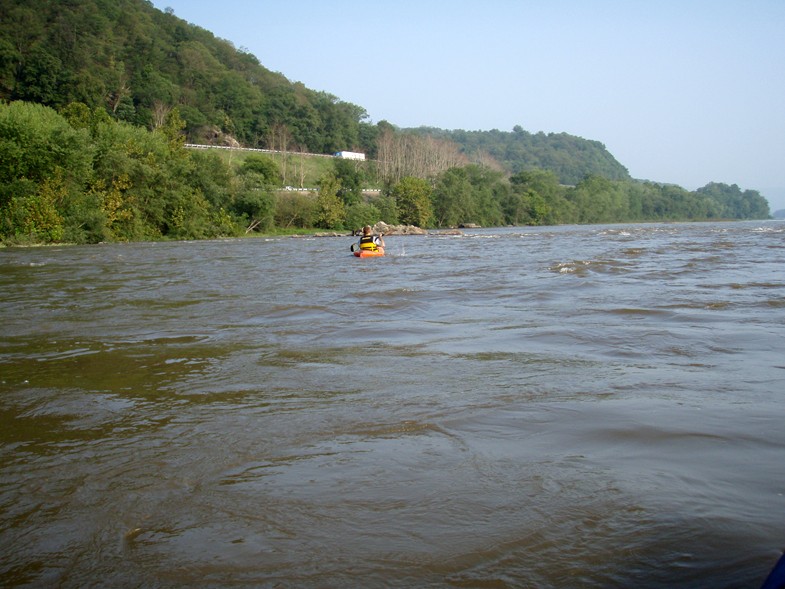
x=583, y=267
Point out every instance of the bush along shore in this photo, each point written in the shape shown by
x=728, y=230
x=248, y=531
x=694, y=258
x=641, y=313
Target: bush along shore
x=79, y=176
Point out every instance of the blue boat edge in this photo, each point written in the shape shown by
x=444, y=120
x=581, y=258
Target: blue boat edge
x=776, y=578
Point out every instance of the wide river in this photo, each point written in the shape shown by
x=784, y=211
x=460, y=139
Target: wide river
x=577, y=406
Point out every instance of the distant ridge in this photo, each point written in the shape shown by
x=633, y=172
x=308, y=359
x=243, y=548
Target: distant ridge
x=571, y=158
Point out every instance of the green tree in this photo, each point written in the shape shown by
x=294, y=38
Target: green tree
x=350, y=175
x=254, y=200
x=453, y=198
x=36, y=218
x=388, y=212
x=212, y=176
x=540, y=198
x=9, y=59
x=735, y=203
x=330, y=210
x=35, y=141
x=413, y=201
x=80, y=116
x=264, y=167
x=361, y=214
x=295, y=209
x=487, y=194
x=39, y=78
x=148, y=186
x=43, y=162
x=599, y=200
x=172, y=129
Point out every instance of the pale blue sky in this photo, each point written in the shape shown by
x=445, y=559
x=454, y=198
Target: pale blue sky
x=682, y=91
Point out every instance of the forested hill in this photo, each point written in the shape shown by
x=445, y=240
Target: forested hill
x=138, y=62
x=569, y=157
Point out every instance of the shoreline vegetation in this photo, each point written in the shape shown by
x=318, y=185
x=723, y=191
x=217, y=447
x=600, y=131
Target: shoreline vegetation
x=79, y=176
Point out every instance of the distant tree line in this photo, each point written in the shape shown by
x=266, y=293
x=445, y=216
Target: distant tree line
x=80, y=176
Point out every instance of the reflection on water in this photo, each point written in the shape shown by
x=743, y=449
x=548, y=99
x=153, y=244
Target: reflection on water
x=530, y=407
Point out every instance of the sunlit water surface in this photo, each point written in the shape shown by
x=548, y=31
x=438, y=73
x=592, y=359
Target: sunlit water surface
x=598, y=406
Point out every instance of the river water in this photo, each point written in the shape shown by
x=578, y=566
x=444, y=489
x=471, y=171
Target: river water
x=593, y=406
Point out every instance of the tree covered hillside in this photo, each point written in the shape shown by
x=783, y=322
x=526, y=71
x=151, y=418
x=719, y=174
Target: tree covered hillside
x=139, y=62
x=570, y=158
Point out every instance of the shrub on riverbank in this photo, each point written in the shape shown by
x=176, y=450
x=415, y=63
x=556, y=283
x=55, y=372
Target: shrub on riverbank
x=80, y=176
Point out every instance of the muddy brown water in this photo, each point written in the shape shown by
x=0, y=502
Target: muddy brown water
x=595, y=406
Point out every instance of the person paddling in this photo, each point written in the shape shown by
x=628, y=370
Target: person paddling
x=369, y=241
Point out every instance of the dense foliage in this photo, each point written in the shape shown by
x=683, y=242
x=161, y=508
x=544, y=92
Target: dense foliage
x=81, y=176
x=97, y=179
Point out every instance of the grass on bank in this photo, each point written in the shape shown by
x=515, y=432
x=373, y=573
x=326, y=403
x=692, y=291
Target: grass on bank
x=299, y=170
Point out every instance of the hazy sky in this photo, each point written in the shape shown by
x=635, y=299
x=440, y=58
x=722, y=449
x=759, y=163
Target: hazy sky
x=682, y=91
